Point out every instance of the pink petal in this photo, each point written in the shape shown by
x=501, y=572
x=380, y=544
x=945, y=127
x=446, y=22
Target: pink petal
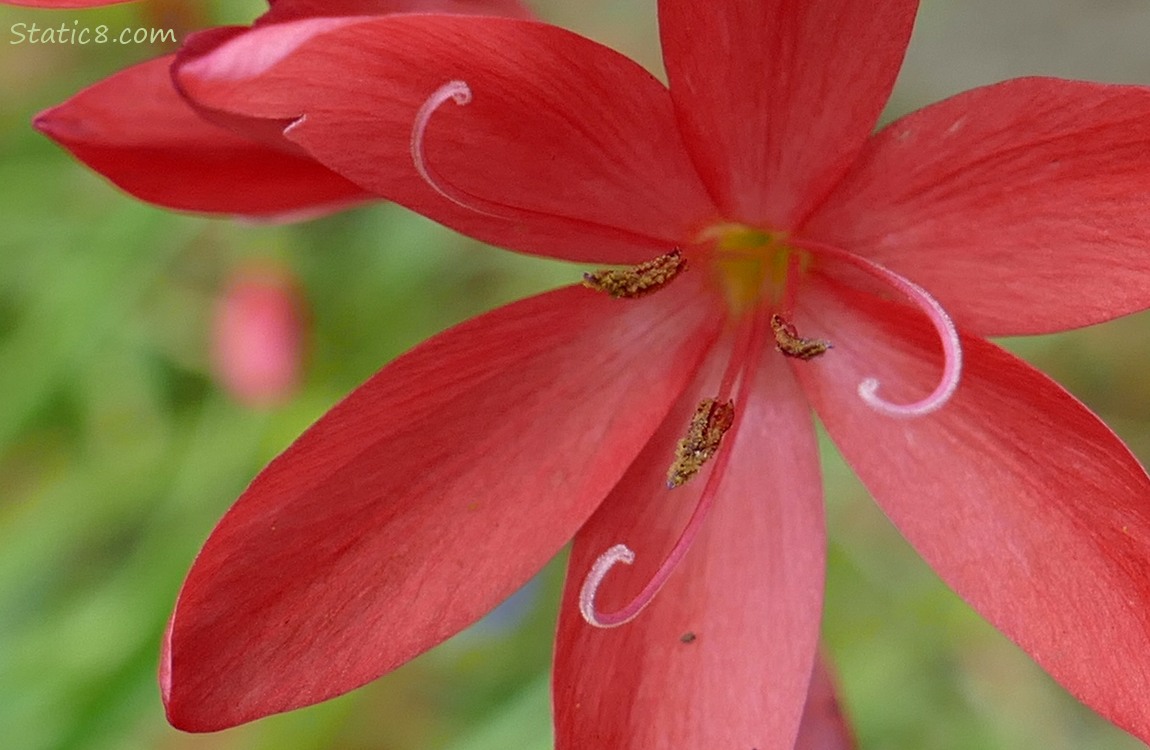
x=1020, y=206
x=270, y=132
x=1024, y=502
x=422, y=500
x=134, y=129
x=776, y=97
x=722, y=657
x=289, y=10
x=572, y=146
x=824, y=727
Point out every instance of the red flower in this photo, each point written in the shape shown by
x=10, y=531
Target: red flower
x=450, y=477
x=136, y=130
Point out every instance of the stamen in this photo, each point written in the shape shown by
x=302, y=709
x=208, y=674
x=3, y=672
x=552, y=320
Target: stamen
x=788, y=341
x=746, y=359
x=639, y=280
x=704, y=434
x=947, y=333
x=460, y=93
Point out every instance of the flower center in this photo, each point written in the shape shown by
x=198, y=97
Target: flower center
x=753, y=266
x=758, y=272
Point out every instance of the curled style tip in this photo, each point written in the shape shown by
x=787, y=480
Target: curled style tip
x=952, y=354
x=460, y=93
x=943, y=325
x=620, y=553
x=712, y=419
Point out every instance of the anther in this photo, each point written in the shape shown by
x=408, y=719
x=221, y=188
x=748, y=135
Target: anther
x=705, y=432
x=639, y=280
x=788, y=341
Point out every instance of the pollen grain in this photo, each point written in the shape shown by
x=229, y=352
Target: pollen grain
x=637, y=281
x=710, y=422
x=788, y=341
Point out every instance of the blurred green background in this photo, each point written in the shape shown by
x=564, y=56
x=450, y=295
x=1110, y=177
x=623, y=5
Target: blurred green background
x=118, y=452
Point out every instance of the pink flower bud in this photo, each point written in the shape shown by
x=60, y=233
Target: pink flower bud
x=257, y=337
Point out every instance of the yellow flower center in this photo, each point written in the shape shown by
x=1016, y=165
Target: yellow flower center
x=752, y=265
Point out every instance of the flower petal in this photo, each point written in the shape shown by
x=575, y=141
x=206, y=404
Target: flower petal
x=722, y=657
x=423, y=499
x=824, y=727
x=776, y=97
x=572, y=146
x=270, y=132
x=1020, y=206
x=1024, y=502
x=290, y=10
x=134, y=129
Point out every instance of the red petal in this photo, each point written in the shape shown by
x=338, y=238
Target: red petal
x=722, y=657
x=1023, y=501
x=427, y=496
x=776, y=97
x=824, y=727
x=576, y=144
x=1020, y=206
x=270, y=132
x=136, y=130
x=289, y=10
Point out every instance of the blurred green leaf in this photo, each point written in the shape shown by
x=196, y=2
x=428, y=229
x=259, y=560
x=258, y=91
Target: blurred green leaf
x=523, y=723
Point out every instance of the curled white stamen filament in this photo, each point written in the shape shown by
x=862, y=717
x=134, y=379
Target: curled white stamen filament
x=620, y=553
x=460, y=93
x=747, y=354
x=947, y=334
x=952, y=354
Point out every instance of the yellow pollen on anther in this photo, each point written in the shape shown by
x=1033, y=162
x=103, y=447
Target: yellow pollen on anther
x=639, y=280
x=788, y=341
x=710, y=422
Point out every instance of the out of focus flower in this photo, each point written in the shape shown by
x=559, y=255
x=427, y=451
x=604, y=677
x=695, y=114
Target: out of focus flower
x=136, y=129
x=258, y=336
